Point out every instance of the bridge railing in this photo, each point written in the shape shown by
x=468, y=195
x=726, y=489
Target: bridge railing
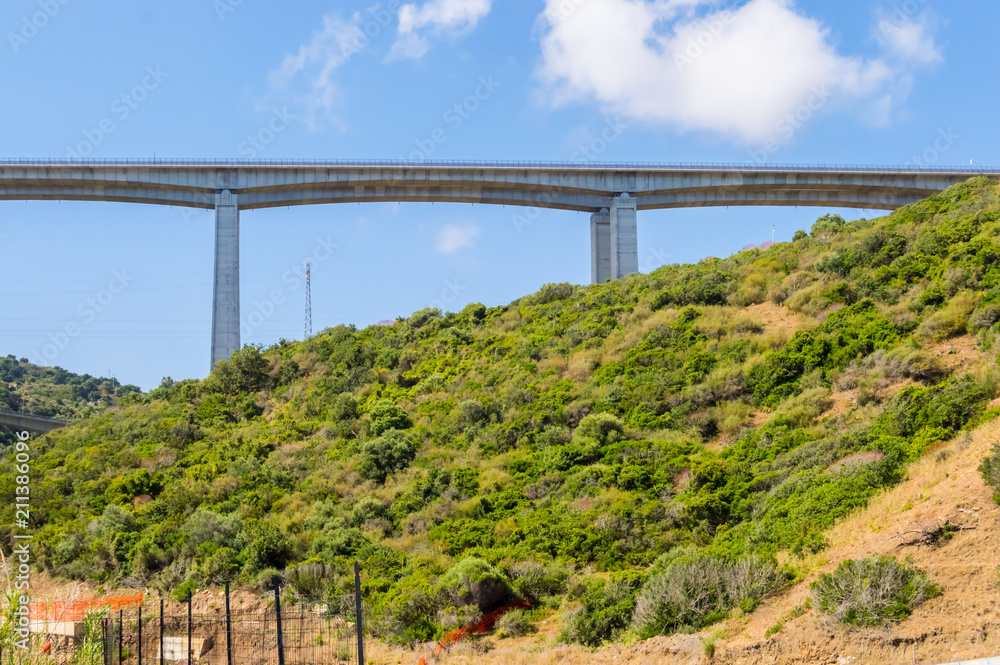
x=581, y=165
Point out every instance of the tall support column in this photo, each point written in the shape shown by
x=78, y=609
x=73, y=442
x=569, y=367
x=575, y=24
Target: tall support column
x=600, y=246
x=226, y=300
x=624, y=237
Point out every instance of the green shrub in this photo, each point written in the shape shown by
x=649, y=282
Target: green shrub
x=386, y=415
x=990, y=470
x=695, y=590
x=386, y=454
x=515, y=623
x=873, y=591
x=603, y=610
x=827, y=224
x=473, y=581
x=185, y=590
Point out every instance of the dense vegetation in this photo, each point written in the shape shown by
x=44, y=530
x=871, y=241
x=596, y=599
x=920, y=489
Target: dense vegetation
x=605, y=449
x=53, y=392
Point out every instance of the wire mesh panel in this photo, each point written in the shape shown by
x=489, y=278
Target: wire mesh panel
x=310, y=636
x=110, y=642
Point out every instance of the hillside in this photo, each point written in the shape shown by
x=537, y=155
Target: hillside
x=53, y=392
x=600, y=451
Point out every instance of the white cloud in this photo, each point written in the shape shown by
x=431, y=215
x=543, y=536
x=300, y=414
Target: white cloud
x=453, y=238
x=308, y=76
x=434, y=18
x=908, y=38
x=694, y=66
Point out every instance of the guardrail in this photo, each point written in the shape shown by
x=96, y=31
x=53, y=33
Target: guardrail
x=671, y=166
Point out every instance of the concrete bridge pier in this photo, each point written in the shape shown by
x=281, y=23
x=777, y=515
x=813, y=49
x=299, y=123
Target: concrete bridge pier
x=600, y=246
x=226, y=295
x=614, y=241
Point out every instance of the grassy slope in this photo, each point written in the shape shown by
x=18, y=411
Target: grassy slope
x=714, y=435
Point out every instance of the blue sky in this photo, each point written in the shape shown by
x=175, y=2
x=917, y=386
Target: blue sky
x=609, y=80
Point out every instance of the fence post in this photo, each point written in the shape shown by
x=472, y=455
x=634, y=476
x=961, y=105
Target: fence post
x=357, y=609
x=121, y=634
x=140, y=633
x=161, y=631
x=229, y=631
x=277, y=610
x=190, y=600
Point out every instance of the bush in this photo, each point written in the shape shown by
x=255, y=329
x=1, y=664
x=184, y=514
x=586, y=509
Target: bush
x=472, y=581
x=603, y=611
x=386, y=415
x=386, y=454
x=223, y=566
x=692, y=589
x=873, y=591
x=515, y=623
x=310, y=580
x=184, y=591
x=990, y=469
x=245, y=371
x=828, y=224
x=532, y=580
x=604, y=428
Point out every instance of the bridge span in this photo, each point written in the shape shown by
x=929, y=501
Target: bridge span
x=612, y=193
x=29, y=422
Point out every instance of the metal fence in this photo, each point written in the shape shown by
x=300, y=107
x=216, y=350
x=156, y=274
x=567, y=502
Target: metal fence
x=312, y=634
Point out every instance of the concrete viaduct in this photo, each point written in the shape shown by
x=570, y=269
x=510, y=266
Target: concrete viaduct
x=611, y=193
x=27, y=422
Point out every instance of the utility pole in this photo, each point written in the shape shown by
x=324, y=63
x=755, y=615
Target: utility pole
x=309, y=307
x=773, y=229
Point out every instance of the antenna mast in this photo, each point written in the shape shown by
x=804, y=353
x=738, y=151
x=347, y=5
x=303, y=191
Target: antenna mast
x=309, y=307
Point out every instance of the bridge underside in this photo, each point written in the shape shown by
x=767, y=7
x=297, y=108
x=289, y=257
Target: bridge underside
x=874, y=198
x=26, y=422
x=611, y=194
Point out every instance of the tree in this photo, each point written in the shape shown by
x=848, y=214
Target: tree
x=386, y=415
x=245, y=371
x=386, y=454
x=828, y=224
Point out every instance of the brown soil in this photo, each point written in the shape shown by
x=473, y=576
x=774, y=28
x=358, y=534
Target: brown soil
x=778, y=318
x=958, y=352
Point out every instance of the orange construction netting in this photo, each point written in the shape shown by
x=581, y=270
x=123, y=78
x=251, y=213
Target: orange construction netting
x=479, y=627
x=76, y=610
